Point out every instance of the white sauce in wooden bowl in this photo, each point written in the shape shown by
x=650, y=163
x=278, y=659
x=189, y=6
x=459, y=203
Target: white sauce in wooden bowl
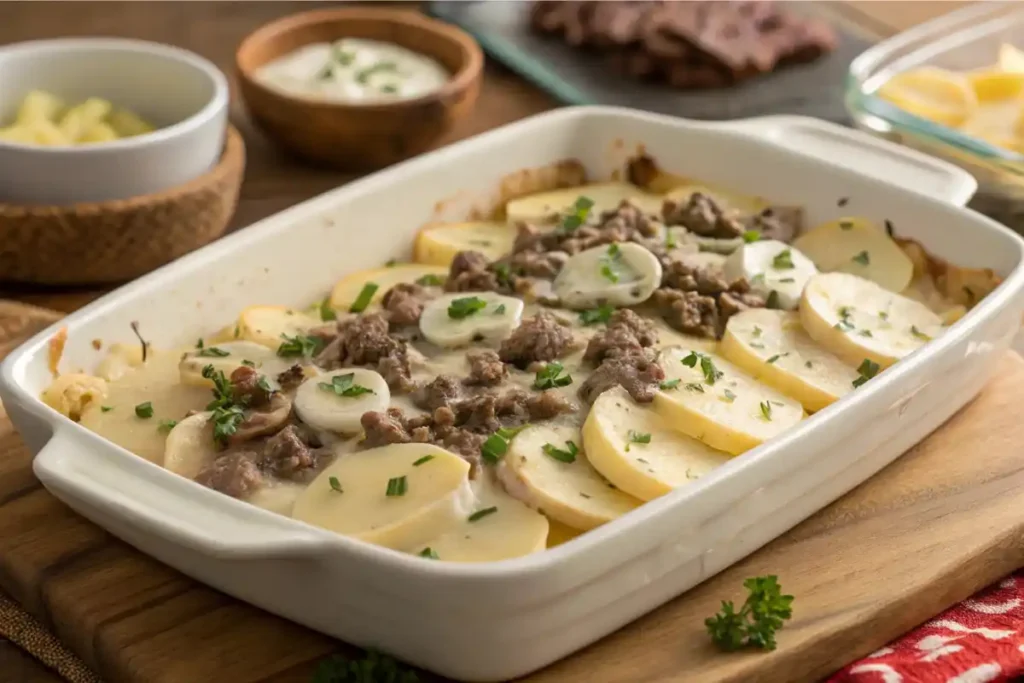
x=355, y=71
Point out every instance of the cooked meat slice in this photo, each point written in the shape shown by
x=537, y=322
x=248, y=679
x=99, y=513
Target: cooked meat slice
x=547, y=405
x=267, y=419
x=404, y=303
x=538, y=264
x=233, y=474
x=247, y=388
x=702, y=215
x=291, y=378
x=540, y=338
x=688, y=312
x=443, y=390
x=637, y=373
x=485, y=369
x=382, y=429
x=626, y=332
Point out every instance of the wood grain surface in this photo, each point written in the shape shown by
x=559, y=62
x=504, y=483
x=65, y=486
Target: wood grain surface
x=146, y=609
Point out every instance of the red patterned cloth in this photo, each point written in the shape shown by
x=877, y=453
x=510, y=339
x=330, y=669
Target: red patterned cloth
x=981, y=640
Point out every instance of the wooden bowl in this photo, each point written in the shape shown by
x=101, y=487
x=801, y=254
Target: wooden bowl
x=360, y=137
x=120, y=240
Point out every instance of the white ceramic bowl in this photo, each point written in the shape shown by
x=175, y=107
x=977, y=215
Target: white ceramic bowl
x=182, y=94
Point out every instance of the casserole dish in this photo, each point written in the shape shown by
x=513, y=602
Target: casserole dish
x=960, y=41
x=496, y=621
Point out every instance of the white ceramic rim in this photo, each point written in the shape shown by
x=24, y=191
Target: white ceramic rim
x=218, y=102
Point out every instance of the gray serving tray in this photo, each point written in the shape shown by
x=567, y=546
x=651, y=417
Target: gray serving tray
x=577, y=77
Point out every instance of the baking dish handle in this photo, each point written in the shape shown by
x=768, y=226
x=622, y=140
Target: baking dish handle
x=864, y=153
x=127, y=493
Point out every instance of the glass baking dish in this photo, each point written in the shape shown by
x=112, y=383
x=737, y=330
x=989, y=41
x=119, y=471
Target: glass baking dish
x=963, y=40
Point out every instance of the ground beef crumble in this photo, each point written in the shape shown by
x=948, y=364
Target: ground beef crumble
x=626, y=332
x=485, y=369
x=635, y=371
x=234, y=474
x=543, y=337
x=700, y=301
x=702, y=215
x=404, y=303
x=291, y=378
x=365, y=340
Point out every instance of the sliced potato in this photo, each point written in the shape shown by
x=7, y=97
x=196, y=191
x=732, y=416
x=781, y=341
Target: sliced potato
x=127, y=124
x=381, y=496
x=996, y=86
x=79, y=119
x=268, y=325
x=438, y=244
x=228, y=357
x=733, y=414
x=559, y=533
x=546, y=206
x=612, y=436
x=47, y=133
x=856, y=319
x=349, y=287
x=773, y=348
x=191, y=446
x=511, y=530
x=857, y=246
x=321, y=406
x=623, y=274
x=731, y=200
x=39, y=106
x=1011, y=59
x=570, y=492
x=942, y=96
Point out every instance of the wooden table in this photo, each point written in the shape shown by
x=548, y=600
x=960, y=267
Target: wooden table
x=274, y=182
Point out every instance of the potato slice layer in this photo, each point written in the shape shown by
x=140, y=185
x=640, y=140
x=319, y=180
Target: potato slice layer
x=438, y=244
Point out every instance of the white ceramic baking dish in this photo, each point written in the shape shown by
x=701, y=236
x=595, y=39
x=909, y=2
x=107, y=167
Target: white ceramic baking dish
x=496, y=621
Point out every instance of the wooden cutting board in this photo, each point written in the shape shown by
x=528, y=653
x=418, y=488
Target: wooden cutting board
x=928, y=531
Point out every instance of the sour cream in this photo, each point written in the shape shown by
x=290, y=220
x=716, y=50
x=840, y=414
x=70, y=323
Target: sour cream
x=354, y=70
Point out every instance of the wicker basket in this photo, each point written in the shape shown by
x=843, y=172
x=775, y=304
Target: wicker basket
x=120, y=240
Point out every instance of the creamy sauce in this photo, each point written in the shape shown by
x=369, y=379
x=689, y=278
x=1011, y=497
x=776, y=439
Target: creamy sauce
x=355, y=70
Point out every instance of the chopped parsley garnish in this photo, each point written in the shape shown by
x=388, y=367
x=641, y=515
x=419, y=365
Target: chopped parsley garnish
x=637, y=437
x=757, y=279
x=390, y=89
x=593, y=316
x=167, y=425
x=843, y=326
x=728, y=396
x=773, y=301
x=144, y=410
x=500, y=309
x=845, y=225
x=883, y=315
x=342, y=385
x=610, y=262
x=918, y=334
x=503, y=273
x=578, y=213
x=867, y=369
x=429, y=554
x=480, y=514
x=783, y=260
x=751, y=236
x=213, y=351
x=776, y=357
x=326, y=312
x=695, y=386
x=670, y=239
x=380, y=67
x=397, y=486
x=707, y=366
x=842, y=201
x=106, y=409
x=787, y=280
x=757, y=345
x=550, y=376
x=755, y=624
x=808, y=365
x=227, y=415
x=669, y=384
x=364, y=298
x=862, y=258
x=199, y=343
x=248, y=363
x=496, y=445
x=422, y=461
x=335, y=484
x=465, y=307
x=299, y=345
x=567, y=456
x=430, y=280
x=865, y=333
x=766, y=410
x=757, y=331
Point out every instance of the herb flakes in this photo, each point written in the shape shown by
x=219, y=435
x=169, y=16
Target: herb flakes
x=466, y=306
x=342, y=385
x=550, y=377
x=867, y=369
x=364, y=298
x=567, y=456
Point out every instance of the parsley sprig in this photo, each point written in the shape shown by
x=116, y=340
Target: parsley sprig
x=707, y=366
x=343, y=385
x=465, y=306
x=578, y=213
x=299, y=345
x=496, y=445
x=552, y=375
x=755, y=624
x=593, y=316
x=566, y=456
x=227, y=414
